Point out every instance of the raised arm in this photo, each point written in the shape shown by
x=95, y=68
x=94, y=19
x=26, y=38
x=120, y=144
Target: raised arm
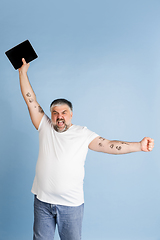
x=35, y=110
x=100, y=144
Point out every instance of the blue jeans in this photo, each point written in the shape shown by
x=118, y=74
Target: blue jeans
x=68, y=220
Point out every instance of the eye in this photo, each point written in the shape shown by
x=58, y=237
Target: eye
x=54, y=113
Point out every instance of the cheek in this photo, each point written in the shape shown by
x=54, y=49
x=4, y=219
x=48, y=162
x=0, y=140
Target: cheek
x=53, y=119
x=68, y=119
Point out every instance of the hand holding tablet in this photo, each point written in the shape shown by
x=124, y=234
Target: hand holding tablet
x=24, y=67
x=22, y=50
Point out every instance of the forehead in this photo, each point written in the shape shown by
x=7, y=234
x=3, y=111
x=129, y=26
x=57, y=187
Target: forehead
x=61, y=108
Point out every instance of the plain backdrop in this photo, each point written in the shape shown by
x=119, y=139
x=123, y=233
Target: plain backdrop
x=104, y=56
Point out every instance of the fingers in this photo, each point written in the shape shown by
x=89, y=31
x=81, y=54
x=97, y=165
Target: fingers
x=150, y=144
x=147, y=144
x=24, y=61
x=24, y=67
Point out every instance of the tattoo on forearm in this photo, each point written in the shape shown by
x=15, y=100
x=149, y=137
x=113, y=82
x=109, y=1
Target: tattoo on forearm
x=28, y=94
x=125, y=143
x=31, y=100
x=40, y=109
x=118, y=147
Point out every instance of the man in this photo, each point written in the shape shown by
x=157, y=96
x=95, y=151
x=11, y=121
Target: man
x=58, y=183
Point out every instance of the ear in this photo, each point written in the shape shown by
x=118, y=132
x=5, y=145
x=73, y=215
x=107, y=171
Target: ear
x=71, y=114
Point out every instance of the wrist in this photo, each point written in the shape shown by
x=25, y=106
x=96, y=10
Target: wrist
x=139, y=147
x=22, y=72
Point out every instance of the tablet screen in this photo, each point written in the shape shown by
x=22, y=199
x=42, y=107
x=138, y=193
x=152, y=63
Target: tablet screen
x=22, y=50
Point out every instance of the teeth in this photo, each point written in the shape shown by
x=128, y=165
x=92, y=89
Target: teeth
x=60, y=122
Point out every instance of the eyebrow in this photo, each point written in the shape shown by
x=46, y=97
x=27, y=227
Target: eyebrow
x=58, y=112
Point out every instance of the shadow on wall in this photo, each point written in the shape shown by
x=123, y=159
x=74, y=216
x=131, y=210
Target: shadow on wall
x=15, y=178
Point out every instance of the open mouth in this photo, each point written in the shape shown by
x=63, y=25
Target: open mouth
x=60, y=125
x=60, y=122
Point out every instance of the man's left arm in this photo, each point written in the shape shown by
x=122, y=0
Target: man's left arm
x=100, y=144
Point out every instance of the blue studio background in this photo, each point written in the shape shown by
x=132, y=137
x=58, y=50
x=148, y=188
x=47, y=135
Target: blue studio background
x=104, y=56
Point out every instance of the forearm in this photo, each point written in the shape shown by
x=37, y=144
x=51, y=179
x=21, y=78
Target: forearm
x=35, y=110
x=120, y=147
x=101, y=144
x=26, y=89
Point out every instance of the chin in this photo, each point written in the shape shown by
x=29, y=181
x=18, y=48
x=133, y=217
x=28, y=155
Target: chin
x=60, y=130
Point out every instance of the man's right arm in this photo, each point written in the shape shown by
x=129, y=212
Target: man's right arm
x=35, y=110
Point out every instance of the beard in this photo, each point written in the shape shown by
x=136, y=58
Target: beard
x=59, y=129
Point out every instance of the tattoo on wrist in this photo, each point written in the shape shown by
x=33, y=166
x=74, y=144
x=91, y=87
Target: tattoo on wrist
x=112, y=146
x=40, y=109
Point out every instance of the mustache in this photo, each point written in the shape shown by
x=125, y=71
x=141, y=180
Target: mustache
x=60, y=119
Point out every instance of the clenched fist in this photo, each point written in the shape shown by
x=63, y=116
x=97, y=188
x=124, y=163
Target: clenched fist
x=147, y=144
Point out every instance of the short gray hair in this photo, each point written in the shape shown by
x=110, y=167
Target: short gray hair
x=61, y=101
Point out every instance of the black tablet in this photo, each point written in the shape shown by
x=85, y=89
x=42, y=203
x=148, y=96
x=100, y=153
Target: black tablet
x=22, y=50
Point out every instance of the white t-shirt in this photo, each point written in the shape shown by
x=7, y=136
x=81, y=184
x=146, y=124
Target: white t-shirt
x=60, y=166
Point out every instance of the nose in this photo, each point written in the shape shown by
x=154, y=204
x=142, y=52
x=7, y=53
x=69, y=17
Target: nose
x=60, y=116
